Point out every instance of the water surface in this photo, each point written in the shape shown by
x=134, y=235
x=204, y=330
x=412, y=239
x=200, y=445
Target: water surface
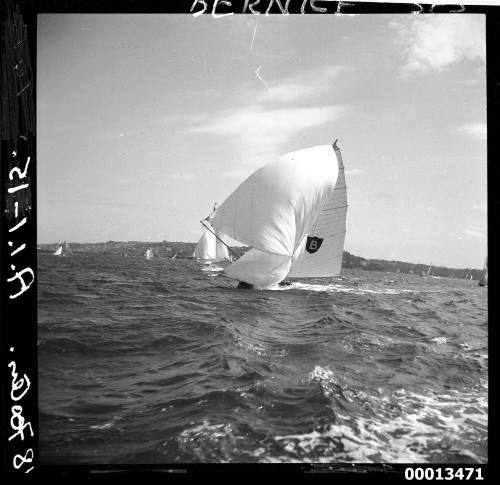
x=157, y=362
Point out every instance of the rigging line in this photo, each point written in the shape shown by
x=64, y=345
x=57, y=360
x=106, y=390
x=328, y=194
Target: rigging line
x=206, y=227
x=226, y=280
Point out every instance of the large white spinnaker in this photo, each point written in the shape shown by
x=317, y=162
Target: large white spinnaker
x=259, y=268
x=274, y=211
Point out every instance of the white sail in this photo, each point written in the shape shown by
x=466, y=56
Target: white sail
x=58, y=251
x=149, y=254
x=260, y=268
x=221, y=253
x=292, y=217
x=205, y=249
x=209, y=248
x=330, y=227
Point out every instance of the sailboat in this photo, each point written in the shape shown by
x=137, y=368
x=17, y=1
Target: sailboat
x=61, y=250
x=211, y=249
x=428, y=273
x=484, y=279
x=292, y=214
x=149, y=254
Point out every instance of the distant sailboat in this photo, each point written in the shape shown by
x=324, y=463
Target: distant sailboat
x=149, y=254
x=484, y=279
x=211, y=249
x=62, y=249
x=292, y=214
x=428, y=273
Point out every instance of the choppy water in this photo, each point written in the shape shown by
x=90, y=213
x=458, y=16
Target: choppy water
x=156, y=362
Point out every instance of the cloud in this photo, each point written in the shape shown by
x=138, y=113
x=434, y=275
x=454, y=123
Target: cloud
x=435, y=42
x=304, y=86
x=475, y=231
x=476, y=130
x=260, y=133
x=278, y=123
x=269, y=119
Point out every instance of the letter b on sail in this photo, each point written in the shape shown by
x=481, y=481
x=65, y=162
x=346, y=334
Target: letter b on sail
x=313, y=243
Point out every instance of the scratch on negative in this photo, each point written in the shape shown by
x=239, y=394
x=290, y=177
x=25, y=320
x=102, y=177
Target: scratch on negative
x=254, y=32
x=262, y=80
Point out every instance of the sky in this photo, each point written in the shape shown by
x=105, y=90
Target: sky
x=144, y=121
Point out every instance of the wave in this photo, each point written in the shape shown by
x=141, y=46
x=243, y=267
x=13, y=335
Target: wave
x=405, y=427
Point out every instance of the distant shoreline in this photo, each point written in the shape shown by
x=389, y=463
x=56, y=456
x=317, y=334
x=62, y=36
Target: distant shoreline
x=184, y=250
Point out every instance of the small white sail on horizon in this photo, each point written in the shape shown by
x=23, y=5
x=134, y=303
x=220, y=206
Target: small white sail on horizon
x=428, y=272
x=292, y=214
x=149, y=254
x=62, y=249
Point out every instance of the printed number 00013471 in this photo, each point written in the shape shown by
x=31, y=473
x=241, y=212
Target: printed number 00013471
x=448, y=473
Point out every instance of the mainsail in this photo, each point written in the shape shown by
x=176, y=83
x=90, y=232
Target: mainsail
x=330, y=226
x=292, y=213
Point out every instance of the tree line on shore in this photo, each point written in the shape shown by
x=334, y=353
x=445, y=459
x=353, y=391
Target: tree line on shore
x=168, y=249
